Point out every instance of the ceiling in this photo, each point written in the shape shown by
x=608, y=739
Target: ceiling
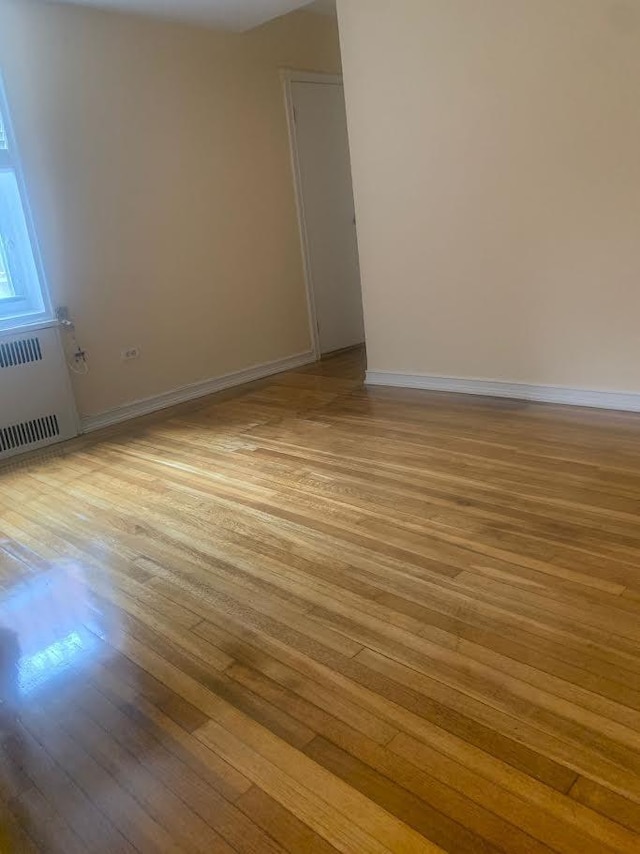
x=235, y=15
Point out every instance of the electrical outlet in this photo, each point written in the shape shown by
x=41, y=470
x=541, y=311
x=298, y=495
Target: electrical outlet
x=130, y=353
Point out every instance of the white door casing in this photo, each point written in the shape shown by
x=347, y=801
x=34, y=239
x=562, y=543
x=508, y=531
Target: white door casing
x=322, y=172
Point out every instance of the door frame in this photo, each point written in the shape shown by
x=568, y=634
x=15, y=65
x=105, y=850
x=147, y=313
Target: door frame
x=288, y=77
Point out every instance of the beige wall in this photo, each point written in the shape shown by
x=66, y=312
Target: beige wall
x=157, y=162
x=496, y=163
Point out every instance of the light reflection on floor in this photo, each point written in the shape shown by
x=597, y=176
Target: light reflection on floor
x=50, y=625
x=54, y=631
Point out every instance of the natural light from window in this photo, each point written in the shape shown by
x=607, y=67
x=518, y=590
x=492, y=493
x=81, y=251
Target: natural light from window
x=6, y=288
x=3, y=137
x=22, y=295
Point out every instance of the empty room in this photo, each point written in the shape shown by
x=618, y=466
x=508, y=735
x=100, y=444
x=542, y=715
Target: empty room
x=319, y=426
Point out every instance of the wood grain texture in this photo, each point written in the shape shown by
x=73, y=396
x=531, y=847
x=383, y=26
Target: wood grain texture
x=325, y=618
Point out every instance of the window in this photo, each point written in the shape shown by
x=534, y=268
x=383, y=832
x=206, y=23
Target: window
x=23, y=297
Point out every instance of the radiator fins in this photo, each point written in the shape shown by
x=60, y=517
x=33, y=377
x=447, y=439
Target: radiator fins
x=28, y=433
x=21, y=352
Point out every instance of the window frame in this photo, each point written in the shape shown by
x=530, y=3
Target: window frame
x=32, y=304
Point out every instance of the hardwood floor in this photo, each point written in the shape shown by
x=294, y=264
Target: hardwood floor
x=309, y=617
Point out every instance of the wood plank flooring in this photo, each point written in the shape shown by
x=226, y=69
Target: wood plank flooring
x=309, y=617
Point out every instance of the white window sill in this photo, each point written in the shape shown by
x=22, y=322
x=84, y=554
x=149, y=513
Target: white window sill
x=22, y=326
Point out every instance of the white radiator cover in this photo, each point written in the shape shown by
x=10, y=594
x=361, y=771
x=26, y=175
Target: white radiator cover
x=37, y=407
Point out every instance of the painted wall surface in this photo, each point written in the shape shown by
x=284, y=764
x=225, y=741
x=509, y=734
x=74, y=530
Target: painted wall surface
x=157, y=162
x=495, y=151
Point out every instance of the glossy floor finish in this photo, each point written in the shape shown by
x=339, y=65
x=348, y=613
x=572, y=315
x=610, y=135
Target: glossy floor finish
x=310, y=617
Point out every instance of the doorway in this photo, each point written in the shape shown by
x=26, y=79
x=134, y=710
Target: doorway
x=322, y=171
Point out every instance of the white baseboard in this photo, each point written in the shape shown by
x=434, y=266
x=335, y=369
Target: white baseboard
x=625, y=401
x=193, y=391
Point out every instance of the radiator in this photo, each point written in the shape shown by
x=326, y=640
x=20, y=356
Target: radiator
x=36, y=402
